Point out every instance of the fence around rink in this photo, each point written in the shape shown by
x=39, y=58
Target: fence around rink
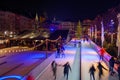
x=97, y=49
x=38, y=71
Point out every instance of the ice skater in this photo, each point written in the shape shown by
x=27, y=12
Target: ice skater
x=54, y=68
x=118, y=70
x=92, y=71
x=62, y=51
x=111, y=65
x=66, y=69
x=100, y=68
x=102, y=51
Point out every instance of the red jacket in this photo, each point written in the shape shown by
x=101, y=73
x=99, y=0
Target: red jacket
x=30, y=77
x=102, y=51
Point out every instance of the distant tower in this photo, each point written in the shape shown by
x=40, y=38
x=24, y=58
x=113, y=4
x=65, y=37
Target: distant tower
x=79, y=30
x=36, y=21
x=36, y=17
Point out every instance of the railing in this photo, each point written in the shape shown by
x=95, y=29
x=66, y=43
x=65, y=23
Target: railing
x=80, y=60
x=38, y=70
x=97, y=49
x=106, y=55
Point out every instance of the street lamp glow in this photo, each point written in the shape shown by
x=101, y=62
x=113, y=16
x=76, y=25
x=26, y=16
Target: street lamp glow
x=112, y=22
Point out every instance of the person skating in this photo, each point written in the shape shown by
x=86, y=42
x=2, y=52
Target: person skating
x=62, y=51
x=111, y=65
x=102, y=52
x=54, y=68
x=30, y=77
x=92, y=71
x=118, y=70
x=58, y=46
x=66, y=69
x=100, y=68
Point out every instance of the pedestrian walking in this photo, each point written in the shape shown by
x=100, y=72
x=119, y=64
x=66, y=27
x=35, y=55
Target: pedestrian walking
x=75, y=43
x=54, y=68
x=92, y=71
x=111, y=65
x=58, y=49
x=66, y=69
x=79, y=44
x=118, y=70
x=100, y=68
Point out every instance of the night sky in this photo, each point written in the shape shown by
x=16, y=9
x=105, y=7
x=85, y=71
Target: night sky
x=61, y=9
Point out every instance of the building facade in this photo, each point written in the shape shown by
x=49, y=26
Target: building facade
x=67, y=25
x=11, y=23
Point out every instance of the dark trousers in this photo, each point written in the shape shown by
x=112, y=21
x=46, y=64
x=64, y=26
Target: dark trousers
x=66, y=74
x=119, y=75
x=92, y=76
x=58, y=52
x=101, y=57
x=54, y=73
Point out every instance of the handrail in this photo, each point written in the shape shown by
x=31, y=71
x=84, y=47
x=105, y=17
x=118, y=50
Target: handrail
x=80, y=61
x=106, y=56
x=97, y=49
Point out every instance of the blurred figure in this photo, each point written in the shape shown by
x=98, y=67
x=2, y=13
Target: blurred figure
x=62, y=51
x=111, y=65
x=118, y=70
x=102, y=51
x=66, y=69
x=58, y=46
x=30, y=77
x=75, y=43
x=100, y=68
x=54, y=68
x=92, y=71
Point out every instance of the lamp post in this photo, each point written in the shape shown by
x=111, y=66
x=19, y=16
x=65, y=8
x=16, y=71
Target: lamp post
x=102, y=33
x=80, y=60
x=95, y=33
x=46, y=43
x=111, y=29
x=118, y=35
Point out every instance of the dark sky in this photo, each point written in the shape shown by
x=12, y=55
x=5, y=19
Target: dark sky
x=61, y=9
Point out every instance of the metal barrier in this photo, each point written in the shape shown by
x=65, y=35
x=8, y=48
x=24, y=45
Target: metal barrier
x=37, y=71
x=97, y=49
